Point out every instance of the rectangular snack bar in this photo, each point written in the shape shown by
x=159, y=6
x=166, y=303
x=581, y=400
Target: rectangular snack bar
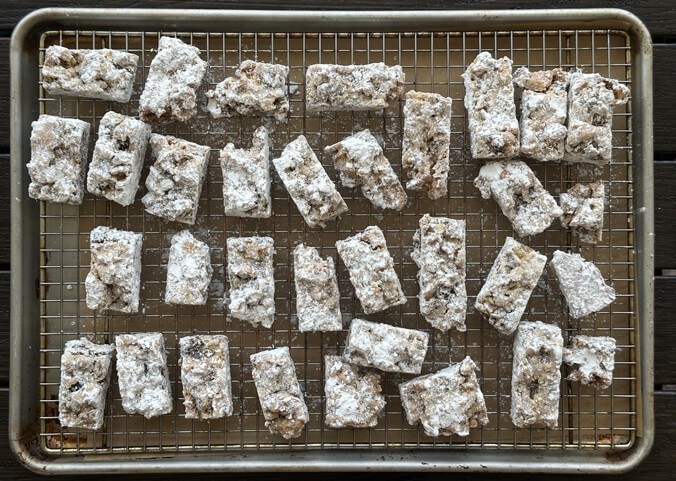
x=591, y=99
x=536, y=375
x=371, y=270
x=426, y=142
x=385, y=347
x=115, y=169
x=246, y=178
x=520, y=195
x=439, y=253
x=592, y=360
x=447, y=402
x=175, y=74
x=205, y=376
x=310, y=187
x=361, y=163
x=175, y=180
x=353, y=395
x=582, y=208
x=511, y=280
x=352, y=87
x=251, y=277
x=317, y=295
x=582, y=284
x=85, y=377
x=100, y=74
x=544, y=105
x=491, y=112
x=188, y=271
x=256, y=88
x=279, y=393
x=142, y=374
x=114, y=280
x=58, y=159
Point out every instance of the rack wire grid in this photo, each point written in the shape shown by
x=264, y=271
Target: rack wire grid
x=432, y=61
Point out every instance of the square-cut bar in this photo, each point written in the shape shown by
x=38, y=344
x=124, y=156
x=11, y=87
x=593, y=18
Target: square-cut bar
x=371, y=270
x=536, y=375
x=503, y=297
x=99, y=74
x=385, y=347
x=582, y=208
x=256, y=88
x=115, y=169
x=489, y=100
x=175, y=74
x=251, y=277
x=520, y=195
x=591, y=99
x=142, y=374
x=582, y=284
x=439, y=253
x=85, y=377
x=447, y=402
x=352, y=87
x=205, y=376
x=114, y=280
x=426, y=142
x=361, y=163
x=317, y=295
x=279, y=393
x=246, y=177
x=592, y=360
x=310, y=187
x=175, y=180
x=353, y=395
x=544, y=105
x=188, y=270
x=58, y=159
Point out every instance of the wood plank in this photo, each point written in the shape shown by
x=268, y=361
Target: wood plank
x=665, y=330
x=664, y=73
x=4, y=95
x=665, y=213
x=4, y=212
x=4, y=329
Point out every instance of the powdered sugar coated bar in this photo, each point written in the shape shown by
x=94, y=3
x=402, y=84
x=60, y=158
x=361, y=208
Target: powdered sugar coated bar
x=582, y=208
x=592, y=360
x=188, y=270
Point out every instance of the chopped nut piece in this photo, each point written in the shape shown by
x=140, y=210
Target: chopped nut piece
x=385, y=347
x=85, y=376
x=371, y=270
x=520, y=195
x=175, y=73
x=100, y=74
x=205, y=375
x=251, y=277
x=310, y=187
x=582, y=284
x=426, y=142
x=489, y=100
x=317, y=295
x=142, y=374
x=536, y=375
x=593, y=360
x=352, y=87
x=511, y=280
x=256, y=88
x=353, y=396
x=188, y=270
x=439, y=253
x=582, y=208
x=246, y=178
x=361, y=163
x=279, y=393
x=447, y=402
x=175, y=180
x=591, y=99
x=58, y=159
x=115, y=169
x=114, y=280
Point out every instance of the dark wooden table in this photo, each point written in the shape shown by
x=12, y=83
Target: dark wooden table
x=658, y=15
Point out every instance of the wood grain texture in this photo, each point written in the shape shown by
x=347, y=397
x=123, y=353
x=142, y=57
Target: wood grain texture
x=665, y=331
x=664, y=73
x=4, y=212
x=665, y=214
x=4, y=95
